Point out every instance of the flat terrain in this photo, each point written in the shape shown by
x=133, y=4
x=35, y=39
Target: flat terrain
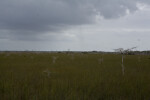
x=73, y=76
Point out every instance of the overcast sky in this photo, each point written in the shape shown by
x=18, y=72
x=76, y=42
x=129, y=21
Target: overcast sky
x=77, y=25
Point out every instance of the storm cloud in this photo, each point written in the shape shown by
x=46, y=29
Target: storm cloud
x=50, y=15
x=31, y=19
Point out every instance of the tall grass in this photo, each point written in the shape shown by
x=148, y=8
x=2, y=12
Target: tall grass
x=73, y=76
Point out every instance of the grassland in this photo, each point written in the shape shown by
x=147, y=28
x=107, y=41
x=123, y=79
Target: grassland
x=73, y=76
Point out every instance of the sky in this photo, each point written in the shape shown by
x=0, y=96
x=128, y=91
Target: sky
x=75, y=25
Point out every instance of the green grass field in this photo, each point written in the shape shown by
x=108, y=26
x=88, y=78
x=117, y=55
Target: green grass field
x=73, y=76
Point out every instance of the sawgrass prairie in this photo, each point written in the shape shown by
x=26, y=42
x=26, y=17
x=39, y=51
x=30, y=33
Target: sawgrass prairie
x=73, y=76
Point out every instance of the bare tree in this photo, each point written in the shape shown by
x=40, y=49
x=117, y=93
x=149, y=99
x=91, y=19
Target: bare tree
x=123, y=53
x=54, y=59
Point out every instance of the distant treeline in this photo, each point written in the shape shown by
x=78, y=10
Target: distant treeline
x=83, y=52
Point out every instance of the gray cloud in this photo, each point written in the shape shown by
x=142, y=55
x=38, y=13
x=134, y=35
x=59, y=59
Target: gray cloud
x=25, y=18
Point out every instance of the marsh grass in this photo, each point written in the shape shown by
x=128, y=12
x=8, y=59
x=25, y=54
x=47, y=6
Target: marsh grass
x=75, y=76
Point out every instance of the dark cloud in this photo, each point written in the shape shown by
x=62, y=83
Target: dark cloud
x=19, y=14
x=27, y=17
